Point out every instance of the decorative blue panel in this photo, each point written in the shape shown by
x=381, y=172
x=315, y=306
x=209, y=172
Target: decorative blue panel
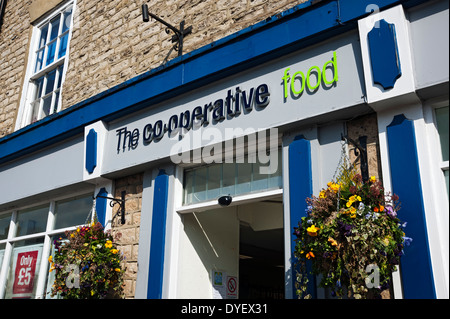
x=158, y=236
x=300, y=187
x=383, y=51
x=100, y=206
x=91, y=151
x=416, y=270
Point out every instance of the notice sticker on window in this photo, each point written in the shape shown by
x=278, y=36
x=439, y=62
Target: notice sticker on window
x=24, y=273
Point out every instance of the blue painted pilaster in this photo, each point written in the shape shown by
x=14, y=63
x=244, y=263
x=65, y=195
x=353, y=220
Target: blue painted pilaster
x=416, y=270
x=158, y=236
x=100, y=206
x=300, y=187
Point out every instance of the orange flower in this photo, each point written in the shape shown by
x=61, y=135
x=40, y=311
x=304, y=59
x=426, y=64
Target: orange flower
x=310, y=255
x=332, y=241
x=378, y=209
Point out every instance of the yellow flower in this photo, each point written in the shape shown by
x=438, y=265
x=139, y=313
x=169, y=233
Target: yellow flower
x=72, y=235
x=108, y=244
x=372, y=178
x=117, y=269
x=50, y=259
x=114, y=251
x=78, y=229
x=312, y=231
x=322, y=194
x=332, y=241
x=334, y=187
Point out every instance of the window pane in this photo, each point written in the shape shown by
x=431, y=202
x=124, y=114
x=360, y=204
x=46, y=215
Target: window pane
x=66, y=20
x=60, y=74
x=4, y=226
x=208, y=183
x=47, y=103
x=38, y=83
x=72, y=212
x=442, y=126
x=214, y=177
x=63, y=45
x=32, y=221
x=24, y=269
x=50, y=82
x=228, y=179
x=188, y=186
x=43, y=38
x=55, y=28
x=55, y=102
x=200, y=185
x=275, y=179
x=51, y=53
x=39, y=58
x=244, y=178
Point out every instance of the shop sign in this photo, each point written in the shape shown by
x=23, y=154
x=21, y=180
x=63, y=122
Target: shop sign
x=230, y=104
x=25, y=272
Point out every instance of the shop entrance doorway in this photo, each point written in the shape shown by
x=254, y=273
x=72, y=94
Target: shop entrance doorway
x=261, y=251
x=243, y=241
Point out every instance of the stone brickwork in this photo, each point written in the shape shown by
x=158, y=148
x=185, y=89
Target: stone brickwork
x=127, y=235
x=366, y=126
x=14, y=38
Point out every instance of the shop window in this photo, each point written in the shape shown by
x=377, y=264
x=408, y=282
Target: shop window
x=210, y=182
x=26, y=242
x=442, y=128
x=47, y=64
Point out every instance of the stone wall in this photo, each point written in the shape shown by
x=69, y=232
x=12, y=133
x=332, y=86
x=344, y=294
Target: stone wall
x=14, y=38
x=366, y=126
x=127, y=235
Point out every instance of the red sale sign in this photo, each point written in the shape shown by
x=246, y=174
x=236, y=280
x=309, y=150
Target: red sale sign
x=25, y=271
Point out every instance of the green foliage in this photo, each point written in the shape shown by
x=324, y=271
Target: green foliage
x=87, y=265
x=351, y=225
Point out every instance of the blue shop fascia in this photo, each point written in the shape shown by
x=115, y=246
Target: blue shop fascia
x=300, y=75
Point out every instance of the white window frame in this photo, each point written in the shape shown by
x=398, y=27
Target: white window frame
x=47, y=235
x=436, y=195
x=25, y=113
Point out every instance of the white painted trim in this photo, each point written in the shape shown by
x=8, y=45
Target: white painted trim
x=237, y=200
x=173, y=229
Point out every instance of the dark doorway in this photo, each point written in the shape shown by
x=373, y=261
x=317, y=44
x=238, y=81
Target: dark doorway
x=261, y=263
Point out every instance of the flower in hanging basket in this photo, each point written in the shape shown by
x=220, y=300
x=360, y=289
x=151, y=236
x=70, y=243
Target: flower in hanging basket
x=350, y=227
x=87, y=265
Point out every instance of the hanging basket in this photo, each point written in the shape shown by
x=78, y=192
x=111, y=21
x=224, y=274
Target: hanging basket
x=352, y=236
x=87, y=264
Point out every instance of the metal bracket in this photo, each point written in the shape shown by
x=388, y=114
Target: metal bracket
x=121, y=202
x=179, y=33
x=361, y=151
